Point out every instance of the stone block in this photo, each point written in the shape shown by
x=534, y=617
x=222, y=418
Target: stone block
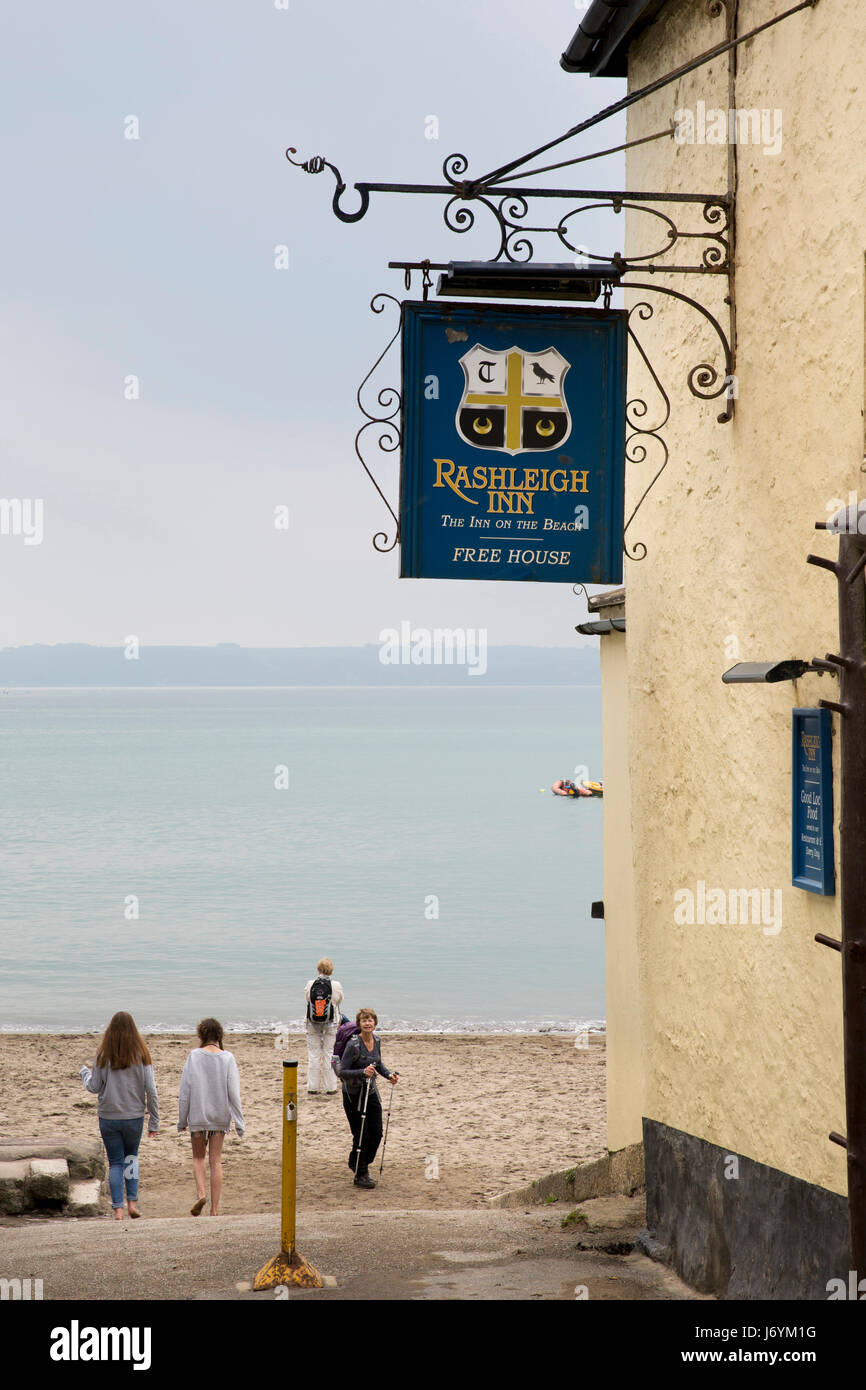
x=84, y=1166
x=14, y=1197
x=86, y=1158
x=48, y=1180
x=84, y=1198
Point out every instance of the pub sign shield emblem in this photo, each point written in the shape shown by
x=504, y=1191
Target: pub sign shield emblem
x=513, y=400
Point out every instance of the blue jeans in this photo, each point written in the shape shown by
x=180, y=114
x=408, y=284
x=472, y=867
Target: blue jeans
x=121, y=1139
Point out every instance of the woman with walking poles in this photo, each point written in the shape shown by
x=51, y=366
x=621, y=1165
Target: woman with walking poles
x=359, y=1063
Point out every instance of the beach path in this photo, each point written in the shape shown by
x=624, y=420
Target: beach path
x=491, y=1255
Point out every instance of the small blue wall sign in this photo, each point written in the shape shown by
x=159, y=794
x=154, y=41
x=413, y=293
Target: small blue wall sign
x=812, y=829
x=513, y=443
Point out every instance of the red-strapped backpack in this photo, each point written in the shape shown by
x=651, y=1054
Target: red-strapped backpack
x=320, y=1009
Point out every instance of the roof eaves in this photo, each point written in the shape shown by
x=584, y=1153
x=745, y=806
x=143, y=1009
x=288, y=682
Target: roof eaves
x=611, y=598
x=600, y=45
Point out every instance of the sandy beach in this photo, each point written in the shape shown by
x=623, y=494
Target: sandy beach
x=488, y=1113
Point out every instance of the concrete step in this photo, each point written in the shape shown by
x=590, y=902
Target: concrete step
x=84, y=1198
x=48, y=1181
x=14, y=1197
x=28, y=1184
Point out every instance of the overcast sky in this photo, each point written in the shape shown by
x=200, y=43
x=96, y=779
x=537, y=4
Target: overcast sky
x=155, y=258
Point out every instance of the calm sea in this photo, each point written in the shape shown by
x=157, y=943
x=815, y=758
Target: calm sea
x=412, y=844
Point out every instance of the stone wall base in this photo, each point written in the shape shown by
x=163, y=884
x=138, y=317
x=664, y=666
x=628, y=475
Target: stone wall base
x=736, y=1228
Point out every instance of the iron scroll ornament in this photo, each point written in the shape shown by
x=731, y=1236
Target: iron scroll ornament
x=704, y=381
x=641, y=434
x=389, y=403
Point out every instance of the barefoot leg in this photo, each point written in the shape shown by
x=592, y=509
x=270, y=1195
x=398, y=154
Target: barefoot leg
x=199, y=1150
x=215, y=1153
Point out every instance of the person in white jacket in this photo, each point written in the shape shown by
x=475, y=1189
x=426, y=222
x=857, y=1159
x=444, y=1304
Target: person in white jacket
x=209, y=1101
x=324, y=997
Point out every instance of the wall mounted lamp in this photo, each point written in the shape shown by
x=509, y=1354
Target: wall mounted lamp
x=768, y=672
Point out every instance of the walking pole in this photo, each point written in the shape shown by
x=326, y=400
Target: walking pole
x=387, y=1123
x=363, y=1123
x=288, y=1267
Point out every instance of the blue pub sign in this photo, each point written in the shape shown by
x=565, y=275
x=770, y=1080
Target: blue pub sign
x=513, y=443
x=812, y=831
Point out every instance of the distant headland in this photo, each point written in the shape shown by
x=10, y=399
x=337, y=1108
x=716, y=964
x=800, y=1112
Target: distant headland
x=421, y=662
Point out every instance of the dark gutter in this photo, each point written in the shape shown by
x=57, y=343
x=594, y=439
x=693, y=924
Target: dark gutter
x=600, y=46
x=601, y=626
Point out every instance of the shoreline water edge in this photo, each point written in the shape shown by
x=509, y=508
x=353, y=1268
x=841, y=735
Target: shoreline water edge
x=433, y=1028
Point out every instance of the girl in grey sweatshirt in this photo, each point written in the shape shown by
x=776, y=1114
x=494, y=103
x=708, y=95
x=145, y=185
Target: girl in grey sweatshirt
x=209, y=1102
x=122, y=1078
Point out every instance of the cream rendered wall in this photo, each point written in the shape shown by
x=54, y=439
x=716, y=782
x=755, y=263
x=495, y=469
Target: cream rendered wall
x=742, y=1029
x=624, y=1060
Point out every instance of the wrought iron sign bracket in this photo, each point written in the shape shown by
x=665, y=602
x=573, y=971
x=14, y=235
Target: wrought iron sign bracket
x=509, y=207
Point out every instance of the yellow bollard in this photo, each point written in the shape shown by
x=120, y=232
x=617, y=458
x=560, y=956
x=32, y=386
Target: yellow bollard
x=288, y=1267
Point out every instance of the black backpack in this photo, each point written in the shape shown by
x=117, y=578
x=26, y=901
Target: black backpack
x=320, y=1009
